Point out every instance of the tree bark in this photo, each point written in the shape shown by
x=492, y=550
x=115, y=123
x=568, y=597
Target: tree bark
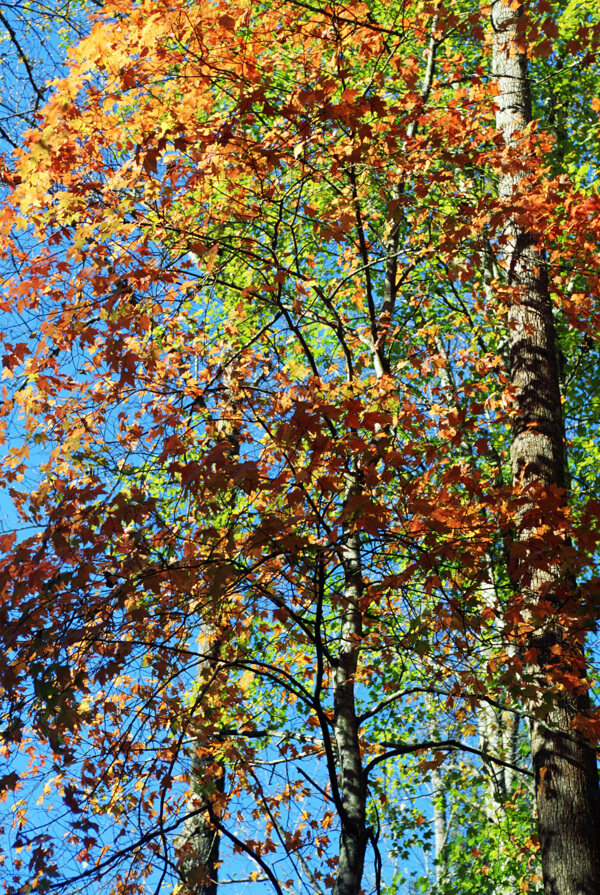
x=438, y=800
x=200, y=839
x=198, y=844
x=566, y=779
x=353, y=782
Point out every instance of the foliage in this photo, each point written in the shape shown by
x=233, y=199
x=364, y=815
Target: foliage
x=256, y=347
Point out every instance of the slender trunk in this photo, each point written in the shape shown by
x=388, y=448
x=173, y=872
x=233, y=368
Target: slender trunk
x=498, y=730
x=353, y=783
x=198, y=843
x=498, y=735
x=440, y=826
x=200, y=839
x=567, y=795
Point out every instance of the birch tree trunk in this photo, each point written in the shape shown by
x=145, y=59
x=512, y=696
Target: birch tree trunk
x=566, y=779
x=438, y=800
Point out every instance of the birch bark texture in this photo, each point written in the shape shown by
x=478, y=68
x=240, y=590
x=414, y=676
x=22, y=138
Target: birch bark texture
x=566, y=778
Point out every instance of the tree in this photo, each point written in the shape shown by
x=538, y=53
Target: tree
x=568, y=798
x=275, y=256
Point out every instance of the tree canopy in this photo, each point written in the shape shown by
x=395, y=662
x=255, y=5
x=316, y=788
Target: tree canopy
x=300, y=414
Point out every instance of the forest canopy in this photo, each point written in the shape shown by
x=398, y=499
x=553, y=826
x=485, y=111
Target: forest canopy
x=299, y=586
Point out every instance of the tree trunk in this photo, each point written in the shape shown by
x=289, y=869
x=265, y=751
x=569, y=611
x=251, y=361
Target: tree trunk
x=198, y=843
x=199, y=840
x=353, y=784
x=566, y=779
x=438, y=800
